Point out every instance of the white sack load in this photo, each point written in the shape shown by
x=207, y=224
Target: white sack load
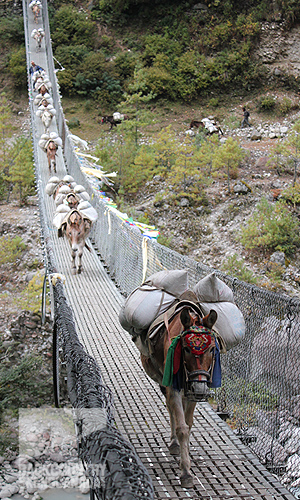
x=49, y=108
x=59, y=217
x=117, y=116
x=209, y=125
x=39, y=97
x=79, y=188
x=42, y=143
x=55, y=138
x=213, y=293
x=84, y=196
x=230, y=323
x=68, y=178
x=50, y=187
x=157, y=294
x=62, y=209
x=87, y=210
x=64, y=189
x=212, y=289
x=174, y=282
x=42, y=108
x=54, y=179
x=142, y=307
x=46, y=138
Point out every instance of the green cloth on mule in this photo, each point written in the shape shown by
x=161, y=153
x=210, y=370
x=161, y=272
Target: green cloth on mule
x=168, y=372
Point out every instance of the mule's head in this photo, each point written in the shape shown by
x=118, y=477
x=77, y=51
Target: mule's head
x=76, y=228
x=51, y=149
x=72, y=200
x=43, y=89
x=198, y=352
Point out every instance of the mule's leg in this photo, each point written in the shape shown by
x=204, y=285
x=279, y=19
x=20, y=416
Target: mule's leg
x=73, y=268
x=189, y=408
x=174, y=446
x=175, y=407
x=79, y=262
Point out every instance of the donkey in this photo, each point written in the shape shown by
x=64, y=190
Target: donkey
x=51, y=155
x=76, y=228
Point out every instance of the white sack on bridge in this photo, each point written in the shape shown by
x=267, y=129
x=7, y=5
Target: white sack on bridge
x=46, y=138
x=230, y=323
x=142, y=307
x=157, y=294
x=85, y=209
x=35, y=2
x=36, y=32
x=213, y=293
x=88, y=210
x=39, y=97
x=174, y=282
x=42, y=108
x=212, y=289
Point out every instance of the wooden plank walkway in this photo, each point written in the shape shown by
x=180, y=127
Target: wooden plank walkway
x=224, y=468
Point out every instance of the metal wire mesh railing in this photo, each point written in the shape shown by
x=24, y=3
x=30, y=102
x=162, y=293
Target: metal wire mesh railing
x=261, y=383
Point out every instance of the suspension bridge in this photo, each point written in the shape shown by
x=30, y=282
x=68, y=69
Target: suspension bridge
x=224, y=467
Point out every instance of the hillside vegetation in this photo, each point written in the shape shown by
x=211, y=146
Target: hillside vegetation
x=163, y=65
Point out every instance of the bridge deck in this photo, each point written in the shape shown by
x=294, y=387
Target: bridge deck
x=224, y=468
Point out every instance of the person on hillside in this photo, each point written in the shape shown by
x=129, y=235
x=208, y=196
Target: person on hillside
x=245, y=121
x=34, y=67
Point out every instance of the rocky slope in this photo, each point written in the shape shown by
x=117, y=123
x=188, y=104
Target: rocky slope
x=210, y=234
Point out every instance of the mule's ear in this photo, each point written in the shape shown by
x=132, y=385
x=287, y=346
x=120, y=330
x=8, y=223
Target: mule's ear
x=87, y=224
x=210, y=319
x=61, y=231
x=185, y=318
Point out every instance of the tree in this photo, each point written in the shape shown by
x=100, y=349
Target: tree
x=21, y=173
x=17, y=67
x=228, y=157
x=140, y=116
x=187, y=176
x=70, y=27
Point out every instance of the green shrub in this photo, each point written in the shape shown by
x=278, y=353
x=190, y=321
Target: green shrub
x=292, y=194
x=267, y=103
x=17, y=67
x=11, y=31
x=124, y=65
x=285, y=106
x=11, y=249
x=214, y=102
x=71, y=27
x=236, y=268
x=31, y=297
x=272, y=227
x=74, y=122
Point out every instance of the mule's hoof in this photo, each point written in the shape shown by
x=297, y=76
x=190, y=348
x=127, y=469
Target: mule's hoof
x=187, y=481
x=73, y=271
x=79, y=270
x=174, y=449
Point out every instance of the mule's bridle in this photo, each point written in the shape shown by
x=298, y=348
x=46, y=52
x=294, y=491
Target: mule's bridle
x=193, y=377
